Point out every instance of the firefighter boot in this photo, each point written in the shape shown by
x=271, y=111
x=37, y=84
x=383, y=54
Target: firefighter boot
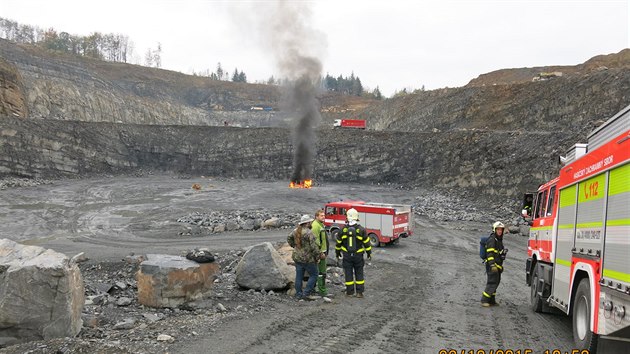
x=360, y=295
x=493, y=300
x=486, y=299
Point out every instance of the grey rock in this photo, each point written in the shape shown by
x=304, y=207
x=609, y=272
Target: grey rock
x=165, y=338
x=524, y=230
x=151, y=317
x=99, y=299
x=273, y=222
x=120, y=285
x=262, y=268
x=80, y=258
x=102, y=287
x=42, y=293
x=219, y=228
x=123, y=301
x=248, y=225
x=514, y=229
x=6, y=341
x=128, y=323
x=134, y=259
x=232, y=226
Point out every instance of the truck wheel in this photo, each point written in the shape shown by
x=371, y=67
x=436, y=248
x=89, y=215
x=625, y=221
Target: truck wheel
x=582, y=335
x=333, y=235
x=535, y=301
x=374, y=242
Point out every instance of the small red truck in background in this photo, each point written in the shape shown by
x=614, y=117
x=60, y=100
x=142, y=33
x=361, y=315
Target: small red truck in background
x=384, y=223
x=350, y=123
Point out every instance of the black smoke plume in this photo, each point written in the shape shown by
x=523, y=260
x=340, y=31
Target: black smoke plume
x=297, y=48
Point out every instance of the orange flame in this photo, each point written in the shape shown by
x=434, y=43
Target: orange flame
x=303, y=184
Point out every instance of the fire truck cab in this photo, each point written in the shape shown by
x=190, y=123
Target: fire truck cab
x=384, y=223
x=579, y=241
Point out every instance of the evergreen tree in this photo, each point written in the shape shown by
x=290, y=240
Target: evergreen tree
x=377, y=93
x=219, y=71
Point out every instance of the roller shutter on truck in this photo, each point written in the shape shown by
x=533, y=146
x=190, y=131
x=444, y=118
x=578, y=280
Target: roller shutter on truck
x=616, y=260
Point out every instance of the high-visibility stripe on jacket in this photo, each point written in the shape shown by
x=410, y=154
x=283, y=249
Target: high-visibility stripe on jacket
x=352, y=239
x=494, y=247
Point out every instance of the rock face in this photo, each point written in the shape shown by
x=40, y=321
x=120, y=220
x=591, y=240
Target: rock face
x=262, y=268
x=12, y=98
x=67, y=87
x=170, y=281
x=472, y=161
x=41, y=293
x=570, y=104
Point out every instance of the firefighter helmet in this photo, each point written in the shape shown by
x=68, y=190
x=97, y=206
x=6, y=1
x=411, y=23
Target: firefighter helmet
x=497, y=225
x=353, y=214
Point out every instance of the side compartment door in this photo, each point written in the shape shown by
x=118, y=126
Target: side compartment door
x=567, y=209
x=616, y=264
x=387, y=225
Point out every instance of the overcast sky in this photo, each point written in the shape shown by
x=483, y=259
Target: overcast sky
x=394, y=44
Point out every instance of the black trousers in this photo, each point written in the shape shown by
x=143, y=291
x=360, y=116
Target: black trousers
x=494, y=279
x=353, y=269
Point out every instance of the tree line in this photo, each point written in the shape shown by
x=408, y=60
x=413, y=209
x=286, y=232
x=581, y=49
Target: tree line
x=350, y=85
x=104, y=46
x=120, y=48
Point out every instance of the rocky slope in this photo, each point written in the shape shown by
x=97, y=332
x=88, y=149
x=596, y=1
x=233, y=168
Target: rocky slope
x=65, y=87
x=619, y=60
x=498, y=139
x=12, y=98
x=485, y=163
x=574, y=105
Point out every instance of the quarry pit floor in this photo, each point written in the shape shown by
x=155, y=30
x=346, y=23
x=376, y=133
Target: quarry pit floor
x=422, y=295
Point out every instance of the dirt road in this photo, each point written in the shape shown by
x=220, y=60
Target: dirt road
x=422, y=295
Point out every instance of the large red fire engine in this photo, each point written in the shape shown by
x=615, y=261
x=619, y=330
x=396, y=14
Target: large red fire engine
x=579, y=242
x=384, y=223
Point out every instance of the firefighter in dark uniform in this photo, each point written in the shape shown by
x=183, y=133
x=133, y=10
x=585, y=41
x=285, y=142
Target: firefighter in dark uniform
x=352, y=243
x=494, y=263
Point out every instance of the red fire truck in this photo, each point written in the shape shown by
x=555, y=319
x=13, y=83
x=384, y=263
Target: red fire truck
x=579, y=242
x=350, y=123
x=384, y=223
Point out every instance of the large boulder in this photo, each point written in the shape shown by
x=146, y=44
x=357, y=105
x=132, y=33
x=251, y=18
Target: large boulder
x=170, y=281
x=262, y=267
x=41, y=293
x=286, y=252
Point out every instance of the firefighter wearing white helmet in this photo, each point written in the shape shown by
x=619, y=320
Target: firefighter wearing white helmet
x=352, y=243
x=495, y=255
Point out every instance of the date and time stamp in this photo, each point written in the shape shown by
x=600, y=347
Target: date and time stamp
x=512, y=351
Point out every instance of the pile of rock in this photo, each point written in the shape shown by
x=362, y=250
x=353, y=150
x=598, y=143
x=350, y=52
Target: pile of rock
x=12, y=182
x=519, y=225
x=221, y=221
x=444, y=206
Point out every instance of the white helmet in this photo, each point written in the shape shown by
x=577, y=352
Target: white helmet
x=497, y=225
x=305, y=219
x=353, y=214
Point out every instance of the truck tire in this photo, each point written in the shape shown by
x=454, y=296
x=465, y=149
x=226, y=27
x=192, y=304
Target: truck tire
x=582, y=335
x=535, y=300
x=333, y=235
x=374, y=242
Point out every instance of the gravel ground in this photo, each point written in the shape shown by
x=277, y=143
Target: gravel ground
x=422, y=295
